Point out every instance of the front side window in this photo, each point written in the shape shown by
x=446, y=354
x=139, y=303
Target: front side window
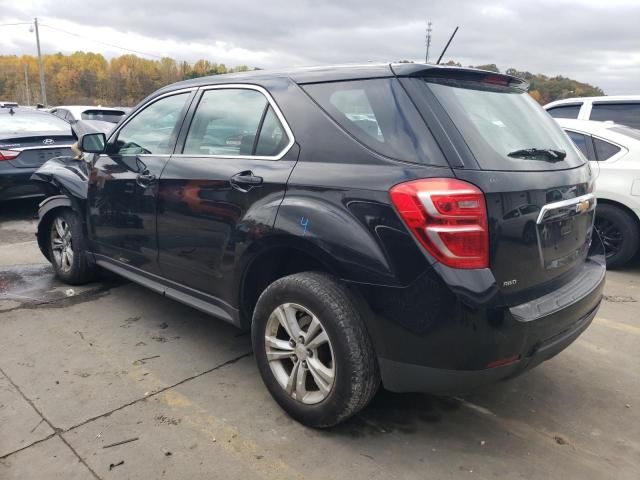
x=226, y=123
x=604, y=150
x=623, y=113
x=379, y=114
x=565, y=111
x=153, y=130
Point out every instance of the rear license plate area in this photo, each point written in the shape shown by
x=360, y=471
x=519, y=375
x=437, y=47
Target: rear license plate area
x=564, y=232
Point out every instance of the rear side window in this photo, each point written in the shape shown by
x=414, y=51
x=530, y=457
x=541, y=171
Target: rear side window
x=604, y=150
x=624, y=113
x=503, y=126
x=582, y=142
x=233, y=122
x=379, y=114
x=565, y=111
x=272, y=139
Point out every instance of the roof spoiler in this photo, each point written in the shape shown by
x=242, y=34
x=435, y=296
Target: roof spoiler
x=458, y=73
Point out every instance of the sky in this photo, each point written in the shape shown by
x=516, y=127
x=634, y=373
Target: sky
x=597, y=42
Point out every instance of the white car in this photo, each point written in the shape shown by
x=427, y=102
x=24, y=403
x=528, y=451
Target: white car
x=73, y=113
x=614, y=152
x=620, y=109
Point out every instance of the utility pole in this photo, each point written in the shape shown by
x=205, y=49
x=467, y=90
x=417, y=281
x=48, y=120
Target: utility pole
x=43, y=89
x=426, y=58
x=26, y=83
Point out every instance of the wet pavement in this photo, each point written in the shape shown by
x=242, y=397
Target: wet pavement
x=114, y=381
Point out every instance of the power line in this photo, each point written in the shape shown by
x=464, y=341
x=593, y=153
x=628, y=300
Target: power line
x=100, y=42
x=12, y=24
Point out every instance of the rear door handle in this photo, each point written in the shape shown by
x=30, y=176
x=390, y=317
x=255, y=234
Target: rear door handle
x=145, y=179
x=245, y=181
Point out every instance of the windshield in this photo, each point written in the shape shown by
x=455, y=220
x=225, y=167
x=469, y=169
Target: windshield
x=32, y=122
x=504, y=127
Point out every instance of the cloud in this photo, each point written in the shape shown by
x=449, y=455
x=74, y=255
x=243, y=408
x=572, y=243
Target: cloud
x=592, y=41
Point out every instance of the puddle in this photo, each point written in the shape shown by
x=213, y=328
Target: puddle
x=32, y=286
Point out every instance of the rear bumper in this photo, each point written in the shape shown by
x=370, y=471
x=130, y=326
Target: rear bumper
x=406, y=377
x=430, y=340
x=15, y=183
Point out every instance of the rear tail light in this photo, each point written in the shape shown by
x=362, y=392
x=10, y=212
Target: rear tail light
x=8, y=154
x=448, y=217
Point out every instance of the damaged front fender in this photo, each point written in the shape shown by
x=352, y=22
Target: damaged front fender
x=67, y=175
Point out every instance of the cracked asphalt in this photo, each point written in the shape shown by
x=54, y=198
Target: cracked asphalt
x=110, y=380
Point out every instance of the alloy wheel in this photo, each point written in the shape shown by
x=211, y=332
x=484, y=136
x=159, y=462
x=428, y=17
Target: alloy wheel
x=61, y=245
x=611, y=236
x=300, y=354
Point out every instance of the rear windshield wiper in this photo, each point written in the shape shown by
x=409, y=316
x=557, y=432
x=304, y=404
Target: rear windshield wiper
x=533, y=153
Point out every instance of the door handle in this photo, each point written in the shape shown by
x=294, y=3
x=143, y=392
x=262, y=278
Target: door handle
x=245, y=181
x=145, y=179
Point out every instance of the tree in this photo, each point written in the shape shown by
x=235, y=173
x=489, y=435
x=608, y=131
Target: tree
x=88, y=78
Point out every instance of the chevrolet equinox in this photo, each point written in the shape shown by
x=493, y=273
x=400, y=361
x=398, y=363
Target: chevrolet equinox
x=422, y=227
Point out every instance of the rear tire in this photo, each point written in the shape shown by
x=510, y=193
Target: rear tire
x=619, y=234
x=66, y=244
x=338, y=375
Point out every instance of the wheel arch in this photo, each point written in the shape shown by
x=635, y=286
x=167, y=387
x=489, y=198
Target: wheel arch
x=46, y=211
x=621, y=206
x=275, y=258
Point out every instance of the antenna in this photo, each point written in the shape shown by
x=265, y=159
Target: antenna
x=426, y=57
x=447, y=45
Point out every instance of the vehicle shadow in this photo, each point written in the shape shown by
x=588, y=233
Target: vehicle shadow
x=24, y=209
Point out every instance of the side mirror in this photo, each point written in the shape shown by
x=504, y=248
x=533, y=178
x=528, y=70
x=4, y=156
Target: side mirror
x=93, y=142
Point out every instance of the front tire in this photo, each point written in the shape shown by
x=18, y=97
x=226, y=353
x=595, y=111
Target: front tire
x=312, y=349
x=66, y=243
x=619, y=234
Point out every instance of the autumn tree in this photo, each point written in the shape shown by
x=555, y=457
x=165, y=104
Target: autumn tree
x=89, y=78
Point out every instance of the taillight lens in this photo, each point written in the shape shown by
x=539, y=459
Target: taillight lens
x=8, y=154
x=448, y=217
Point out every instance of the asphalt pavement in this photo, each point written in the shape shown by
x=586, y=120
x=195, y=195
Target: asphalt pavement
x=111, y=380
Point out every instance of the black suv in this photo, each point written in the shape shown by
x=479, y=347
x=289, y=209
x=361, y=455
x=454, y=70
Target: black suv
x=428, y=228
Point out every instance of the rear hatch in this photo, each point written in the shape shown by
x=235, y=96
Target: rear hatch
x=537, y=185
x=30, y=138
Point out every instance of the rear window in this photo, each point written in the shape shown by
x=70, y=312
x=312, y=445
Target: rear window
x=624, y=113
x=379, y=114
x=25, y=122
x=112, y=116
x=565, y=111
x=499, y=123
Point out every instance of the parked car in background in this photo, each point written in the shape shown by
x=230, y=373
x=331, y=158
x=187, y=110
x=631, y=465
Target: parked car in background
x=8, y=104
x=615, y=150
x=624, y=110
x=28, y=138
x=317, y=209
x=73, y=113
